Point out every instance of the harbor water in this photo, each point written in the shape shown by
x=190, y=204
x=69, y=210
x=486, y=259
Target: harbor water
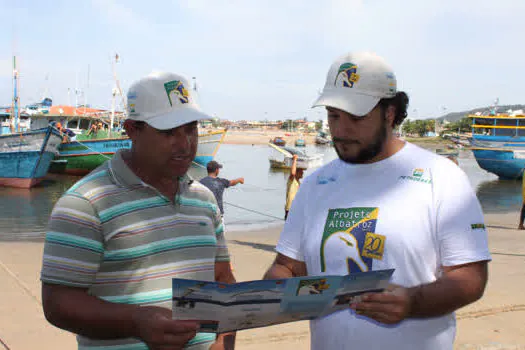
x=256, y=204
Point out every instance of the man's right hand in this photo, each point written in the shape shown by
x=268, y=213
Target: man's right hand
x=295, y=156
x=155, y=327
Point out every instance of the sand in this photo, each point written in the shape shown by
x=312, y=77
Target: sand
x=497, y=321
x=262, y=137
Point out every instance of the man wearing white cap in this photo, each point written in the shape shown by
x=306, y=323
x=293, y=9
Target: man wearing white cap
x=384, y=204
x=119, y=235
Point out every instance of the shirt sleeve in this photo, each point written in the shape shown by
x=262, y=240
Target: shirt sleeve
x=461, y=230
x=74, y=244
x=291, y=240
x=225, y=183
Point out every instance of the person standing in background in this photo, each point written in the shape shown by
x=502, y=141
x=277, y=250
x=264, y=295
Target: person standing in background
x=522, y=213
x=292, y=186
x=218, y=184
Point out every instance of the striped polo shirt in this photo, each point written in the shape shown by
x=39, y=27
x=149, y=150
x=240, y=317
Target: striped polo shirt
x=124, y=241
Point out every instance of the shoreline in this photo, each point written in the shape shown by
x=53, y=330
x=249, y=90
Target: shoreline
x=262, y=137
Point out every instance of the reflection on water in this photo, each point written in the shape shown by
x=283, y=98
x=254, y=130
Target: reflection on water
x=25, y=212
x=499, y=196
x=259, y=202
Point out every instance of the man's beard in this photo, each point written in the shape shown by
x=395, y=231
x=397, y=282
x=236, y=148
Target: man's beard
x=370, y=151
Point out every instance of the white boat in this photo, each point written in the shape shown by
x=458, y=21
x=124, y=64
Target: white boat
x=323, y=138
x=282, y=158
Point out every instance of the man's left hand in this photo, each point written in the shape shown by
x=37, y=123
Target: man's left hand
x=390, y=307
x=217, y=346
x=225, y=341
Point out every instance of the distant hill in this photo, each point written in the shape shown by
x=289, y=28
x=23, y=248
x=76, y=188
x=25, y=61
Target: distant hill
x=455, y=116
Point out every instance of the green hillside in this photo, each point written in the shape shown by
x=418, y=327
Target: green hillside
x=455, y=116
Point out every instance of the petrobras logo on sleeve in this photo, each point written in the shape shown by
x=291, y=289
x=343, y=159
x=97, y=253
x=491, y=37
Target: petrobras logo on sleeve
x=479, y=226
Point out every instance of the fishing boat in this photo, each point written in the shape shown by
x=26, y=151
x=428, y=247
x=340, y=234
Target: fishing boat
x=282, y=158
x=25, y=156
x=86, y=151
x=278, y=141
x=300, y=143
x=98, y=134
x=498, y=143
x=322, y=138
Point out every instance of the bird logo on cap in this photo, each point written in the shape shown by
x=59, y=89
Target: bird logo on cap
x=347, y=75
x=177, y=89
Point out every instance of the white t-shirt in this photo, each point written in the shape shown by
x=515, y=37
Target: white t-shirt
x=414, y=211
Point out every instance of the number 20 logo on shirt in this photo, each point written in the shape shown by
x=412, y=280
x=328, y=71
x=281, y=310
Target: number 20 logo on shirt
x=349, y=242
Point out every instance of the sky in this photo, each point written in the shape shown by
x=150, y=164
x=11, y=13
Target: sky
x=264, y=59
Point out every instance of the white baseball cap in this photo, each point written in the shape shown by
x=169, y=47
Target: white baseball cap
x=356, y=82
x=164, y=101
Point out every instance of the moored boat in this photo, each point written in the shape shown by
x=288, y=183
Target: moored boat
x=283, y=156
x=498, y=143
x=278, y=141
x=300, y=143
x=323, y=138
x=25, y=157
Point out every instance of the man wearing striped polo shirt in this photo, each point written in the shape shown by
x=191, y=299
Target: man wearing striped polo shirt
x=118, y=236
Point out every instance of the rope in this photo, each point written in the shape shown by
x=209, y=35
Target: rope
x=20, y=283
x=92, y=150
x=249, y=185
x=24, y=287
x=255, y=211
x=4, y=345
x=199, y=165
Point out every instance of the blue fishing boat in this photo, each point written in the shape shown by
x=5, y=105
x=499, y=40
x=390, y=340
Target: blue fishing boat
x=300, y=143
x=84, y=154
x=94, y=135
x=25, y=157
x=92, y=140
x=498, y=143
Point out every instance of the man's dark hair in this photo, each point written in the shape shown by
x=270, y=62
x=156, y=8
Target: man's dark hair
x=400, y=102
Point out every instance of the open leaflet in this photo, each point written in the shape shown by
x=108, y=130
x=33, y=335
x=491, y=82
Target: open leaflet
x=228, y=307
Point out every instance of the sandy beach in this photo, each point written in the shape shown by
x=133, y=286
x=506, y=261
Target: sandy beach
x=262, y=137
x=494, y=322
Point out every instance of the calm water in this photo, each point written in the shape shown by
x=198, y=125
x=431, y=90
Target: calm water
x=257, y=203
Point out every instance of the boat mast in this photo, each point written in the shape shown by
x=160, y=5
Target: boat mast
x=87, y=89
x=117, y=90
x=16, y=100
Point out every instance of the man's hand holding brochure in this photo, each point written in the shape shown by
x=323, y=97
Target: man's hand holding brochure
x=224, y=307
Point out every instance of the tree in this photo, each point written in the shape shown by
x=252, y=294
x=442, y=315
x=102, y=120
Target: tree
x=462, y=125
x=215, y=122
x=287, y=124
x=430, y=125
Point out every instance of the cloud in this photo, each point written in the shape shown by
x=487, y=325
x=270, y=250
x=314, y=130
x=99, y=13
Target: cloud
x=258, y=56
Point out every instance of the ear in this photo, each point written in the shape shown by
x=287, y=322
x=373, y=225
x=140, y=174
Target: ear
x=131, y=129
x=390, y=115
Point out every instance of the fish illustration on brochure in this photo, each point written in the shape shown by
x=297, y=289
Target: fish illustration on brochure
x=224, y=307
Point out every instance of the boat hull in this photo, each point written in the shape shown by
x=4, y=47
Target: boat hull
x=81, y=157
x=507, y=164
x=25, y=158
